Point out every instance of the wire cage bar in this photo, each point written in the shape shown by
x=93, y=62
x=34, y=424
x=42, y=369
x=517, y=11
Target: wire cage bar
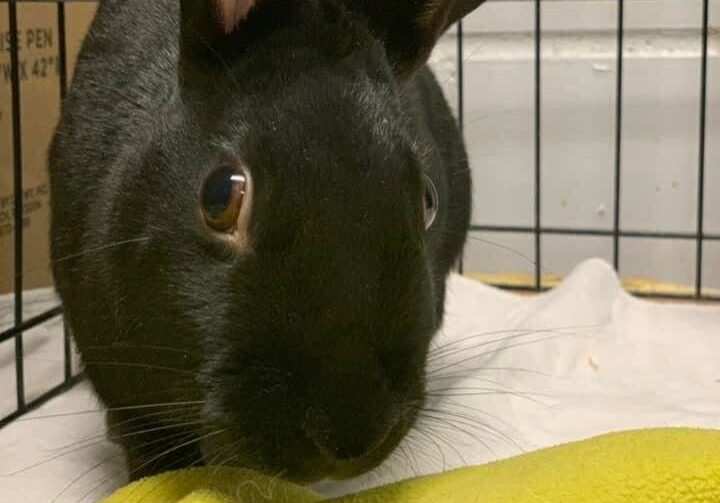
x=537, y=230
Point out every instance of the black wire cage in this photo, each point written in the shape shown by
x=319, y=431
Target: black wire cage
x=20, y=325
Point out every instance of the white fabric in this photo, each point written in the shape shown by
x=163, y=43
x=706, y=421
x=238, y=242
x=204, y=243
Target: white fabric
x=521, y=373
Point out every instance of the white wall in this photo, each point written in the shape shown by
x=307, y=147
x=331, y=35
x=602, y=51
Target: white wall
x=661, y=125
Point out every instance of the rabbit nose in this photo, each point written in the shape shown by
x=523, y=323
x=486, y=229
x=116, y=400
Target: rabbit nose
x=347, y=442
x=346, y=448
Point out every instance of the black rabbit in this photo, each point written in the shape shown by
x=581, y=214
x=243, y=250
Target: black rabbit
x=256, y=205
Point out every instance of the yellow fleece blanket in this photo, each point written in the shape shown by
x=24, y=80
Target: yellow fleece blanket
x=647, y=466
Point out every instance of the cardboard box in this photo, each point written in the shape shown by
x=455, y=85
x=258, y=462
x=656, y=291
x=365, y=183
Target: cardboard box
x=38, y=44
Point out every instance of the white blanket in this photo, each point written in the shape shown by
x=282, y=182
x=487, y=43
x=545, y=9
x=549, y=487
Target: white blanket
x=511, y=374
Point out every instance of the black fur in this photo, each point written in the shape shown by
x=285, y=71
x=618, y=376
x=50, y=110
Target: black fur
x=308, y=351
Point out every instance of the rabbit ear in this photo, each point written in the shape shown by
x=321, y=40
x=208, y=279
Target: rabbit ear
x=205, y=23
x=231, y=13
x=410, y=28
x=461, y=8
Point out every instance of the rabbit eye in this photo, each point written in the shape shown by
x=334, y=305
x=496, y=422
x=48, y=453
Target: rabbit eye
x=222, y=198
x=431, y=202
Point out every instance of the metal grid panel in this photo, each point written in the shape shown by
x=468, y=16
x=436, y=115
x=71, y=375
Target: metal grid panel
x=618, y=232
x=15, y=333
x=21, y=325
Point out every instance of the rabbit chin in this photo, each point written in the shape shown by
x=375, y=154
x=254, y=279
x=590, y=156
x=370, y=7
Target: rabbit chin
x=306, y=467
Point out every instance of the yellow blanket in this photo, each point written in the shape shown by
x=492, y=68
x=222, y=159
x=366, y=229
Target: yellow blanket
x=648, y=466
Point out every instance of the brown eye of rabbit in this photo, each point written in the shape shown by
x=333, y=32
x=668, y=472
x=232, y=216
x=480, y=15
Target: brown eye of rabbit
x=431, y=202
x=222, y=198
